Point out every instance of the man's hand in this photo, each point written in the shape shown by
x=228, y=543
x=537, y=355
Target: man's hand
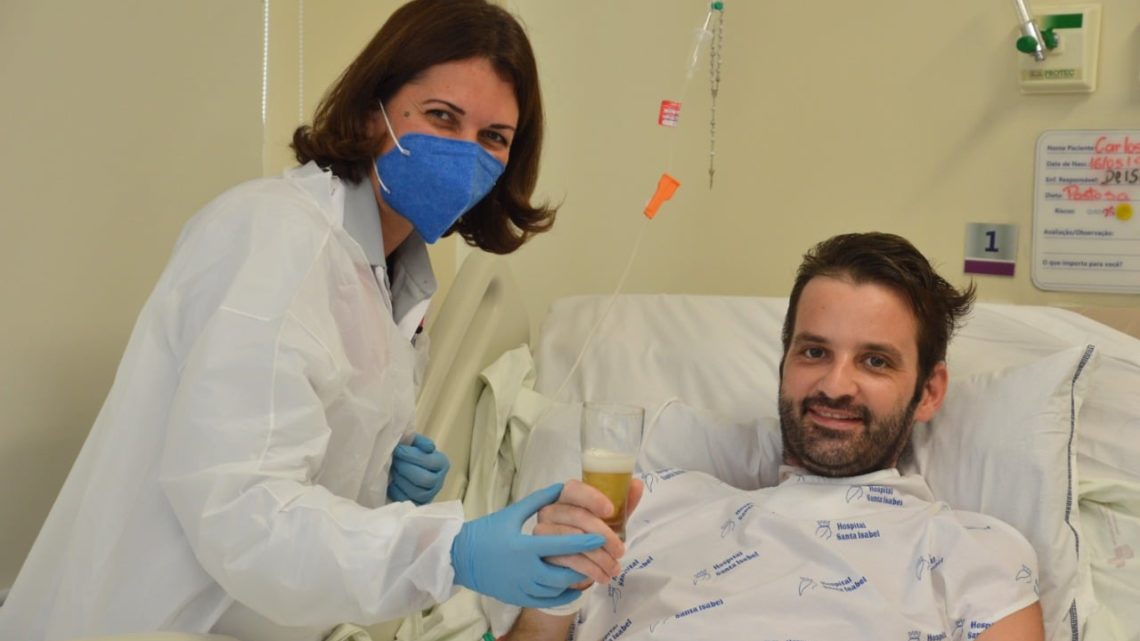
x=580, y=509
x=536, y=625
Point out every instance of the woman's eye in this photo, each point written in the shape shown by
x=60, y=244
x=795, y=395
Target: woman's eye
x=441, y=115
x=496, y=138
x=813, y=352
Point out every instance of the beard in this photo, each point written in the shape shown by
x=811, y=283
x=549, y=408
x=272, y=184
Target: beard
x=839, y=453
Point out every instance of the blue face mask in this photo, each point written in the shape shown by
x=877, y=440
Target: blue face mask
x=432, y=181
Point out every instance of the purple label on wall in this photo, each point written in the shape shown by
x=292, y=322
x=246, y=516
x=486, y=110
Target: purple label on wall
x=989, y=267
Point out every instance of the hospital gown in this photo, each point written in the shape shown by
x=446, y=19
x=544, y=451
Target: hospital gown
x=814, y=559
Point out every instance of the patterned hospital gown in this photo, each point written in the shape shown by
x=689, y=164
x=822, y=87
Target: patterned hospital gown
x=813, y=559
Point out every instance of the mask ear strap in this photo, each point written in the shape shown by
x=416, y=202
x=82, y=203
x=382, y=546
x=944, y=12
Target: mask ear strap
x=392, y=132
x=376, y=172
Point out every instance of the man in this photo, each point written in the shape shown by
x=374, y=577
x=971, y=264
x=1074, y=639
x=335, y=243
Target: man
x=843, y=547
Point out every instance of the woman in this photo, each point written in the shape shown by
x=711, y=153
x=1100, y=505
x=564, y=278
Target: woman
x=244, y=475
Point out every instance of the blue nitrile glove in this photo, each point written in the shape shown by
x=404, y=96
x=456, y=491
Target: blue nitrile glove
x=418, y=471
x=492, y=556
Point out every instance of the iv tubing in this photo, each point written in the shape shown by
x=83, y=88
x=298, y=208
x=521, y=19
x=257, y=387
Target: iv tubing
x=702, y=35
x=605, y=312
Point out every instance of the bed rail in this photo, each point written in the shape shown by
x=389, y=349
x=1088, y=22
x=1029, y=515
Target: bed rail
x=482, y=317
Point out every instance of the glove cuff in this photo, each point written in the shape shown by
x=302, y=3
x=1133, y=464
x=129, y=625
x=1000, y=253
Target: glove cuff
x=461, y=561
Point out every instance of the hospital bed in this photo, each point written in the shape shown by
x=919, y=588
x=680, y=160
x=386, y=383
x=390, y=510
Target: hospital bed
x=1045, y=430
x=705, y=365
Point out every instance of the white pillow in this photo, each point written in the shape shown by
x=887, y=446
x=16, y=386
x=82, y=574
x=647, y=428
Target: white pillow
x=720, y=352
x=745, y=455
x=1110, y=418
x=1004, y=444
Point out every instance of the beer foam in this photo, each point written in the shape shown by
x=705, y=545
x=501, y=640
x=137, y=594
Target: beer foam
x=606, y=461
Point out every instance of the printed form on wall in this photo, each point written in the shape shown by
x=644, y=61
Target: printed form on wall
x=1086, y=235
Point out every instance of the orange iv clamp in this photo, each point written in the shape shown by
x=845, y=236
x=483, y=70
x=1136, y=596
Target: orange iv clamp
x=666, y=187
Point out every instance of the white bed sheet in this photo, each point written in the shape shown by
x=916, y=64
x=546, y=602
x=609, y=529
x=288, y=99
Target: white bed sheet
x=1110, y=511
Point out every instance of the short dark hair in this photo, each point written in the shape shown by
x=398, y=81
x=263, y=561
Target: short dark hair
x=890, y=261
x=420, y=35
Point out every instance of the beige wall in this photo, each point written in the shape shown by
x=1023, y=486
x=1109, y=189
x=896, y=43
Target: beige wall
x=833, y=116
x=119, y=119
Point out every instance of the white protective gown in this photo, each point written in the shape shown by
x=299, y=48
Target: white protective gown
x=243, y=451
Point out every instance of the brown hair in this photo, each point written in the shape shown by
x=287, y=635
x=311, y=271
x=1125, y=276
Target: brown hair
x=419, y=35
x=891, y=261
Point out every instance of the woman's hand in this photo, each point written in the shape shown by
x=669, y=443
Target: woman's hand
x=418, y=471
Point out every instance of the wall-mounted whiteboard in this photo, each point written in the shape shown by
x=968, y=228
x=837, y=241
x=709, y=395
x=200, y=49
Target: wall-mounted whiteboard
x=1086, y=235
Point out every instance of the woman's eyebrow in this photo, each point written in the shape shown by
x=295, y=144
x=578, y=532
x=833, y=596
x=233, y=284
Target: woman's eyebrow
x=454, y=107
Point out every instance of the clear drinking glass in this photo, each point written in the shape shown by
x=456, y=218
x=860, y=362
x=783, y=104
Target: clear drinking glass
x=611, y=436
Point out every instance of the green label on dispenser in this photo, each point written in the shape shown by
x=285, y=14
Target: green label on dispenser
x=1062, y=21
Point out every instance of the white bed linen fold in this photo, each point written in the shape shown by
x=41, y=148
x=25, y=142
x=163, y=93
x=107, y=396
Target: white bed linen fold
x=497, y=441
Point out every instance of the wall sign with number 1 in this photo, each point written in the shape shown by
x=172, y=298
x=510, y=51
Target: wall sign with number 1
x=990, y=249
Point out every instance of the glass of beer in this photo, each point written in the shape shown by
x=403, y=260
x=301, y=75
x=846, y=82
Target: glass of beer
x=611, y=435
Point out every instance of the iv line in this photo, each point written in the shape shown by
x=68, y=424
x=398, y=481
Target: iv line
x=702, y=35
x=605, y=311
